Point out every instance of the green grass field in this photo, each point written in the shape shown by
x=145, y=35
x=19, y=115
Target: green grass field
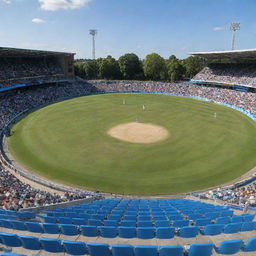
x=67, y=142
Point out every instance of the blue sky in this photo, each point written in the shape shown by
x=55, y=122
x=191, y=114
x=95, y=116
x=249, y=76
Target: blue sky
x=140, y=26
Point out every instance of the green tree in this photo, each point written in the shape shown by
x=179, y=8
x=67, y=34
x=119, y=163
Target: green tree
x=175, y=69
x=91, y=69
x=130, y=66
x=109, y=68
x=79, y=69
x=193, y=65
x=154, y=67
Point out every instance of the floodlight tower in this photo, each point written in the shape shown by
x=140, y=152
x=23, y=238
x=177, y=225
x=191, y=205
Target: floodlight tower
x=93, y=32
x=234, y=27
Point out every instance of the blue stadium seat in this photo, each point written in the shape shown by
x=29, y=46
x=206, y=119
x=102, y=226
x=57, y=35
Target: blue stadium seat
x=213, y=229
x=30, y=243
x=165, y=232
x=79, y=221
x=250, y=246
x=19, y=225
x=247, y=226
x=122, y=250
x=237, y=219
x=201, y=249
x=69, y=229
x=230, y=247
x=128, y=223
x=98, y=249
x=112, y=223
x=162, y=223
x=34, y=227
x=108, y=231
x=51, y=245
x=145, y=233
x=146, y=250
x=6, y=224
x=176, y=250
x=10, y=240
x=180, y=223
x=90, y=231
x=188, y=232
x=223, y=220
x=232, y=228
x=51, y=228
x=202, y=222
x=94, y=222
x=75, y=247
x=65, y=220
x=127, y=232
x=50, y=219
x=146, y=224
x=248, y=217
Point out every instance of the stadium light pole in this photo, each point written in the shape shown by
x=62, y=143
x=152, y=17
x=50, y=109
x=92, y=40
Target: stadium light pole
x=93, y=32
x=234, y=27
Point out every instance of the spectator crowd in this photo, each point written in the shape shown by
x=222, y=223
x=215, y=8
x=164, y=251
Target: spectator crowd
x=15, y=194
x=242, y=74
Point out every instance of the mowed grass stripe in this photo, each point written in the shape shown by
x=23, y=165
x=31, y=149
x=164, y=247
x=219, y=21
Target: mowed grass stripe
x=68, y=142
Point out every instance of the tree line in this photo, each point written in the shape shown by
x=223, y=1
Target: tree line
x=130, y=67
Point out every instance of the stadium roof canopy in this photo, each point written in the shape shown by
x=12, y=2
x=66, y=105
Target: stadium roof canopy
x=249, y=54
x=16, y=52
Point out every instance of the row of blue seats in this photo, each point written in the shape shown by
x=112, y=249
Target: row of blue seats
x=128, y=232
x=93, y=249
x=158, y=222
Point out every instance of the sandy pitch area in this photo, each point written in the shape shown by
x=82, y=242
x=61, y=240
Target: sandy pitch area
x=139, y=132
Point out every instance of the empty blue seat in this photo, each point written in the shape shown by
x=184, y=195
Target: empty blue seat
x=180, y=223
x=230, y=247
x=30, y=243
x=145, y=250
x=213, y=229
x=127, y=232
x=145, y=233
x=188, y=232
x=201, y=249
x=232, y=228
x=108, y=231
x=34, y=227
x=223, y=220
x=248, y=217
x=69, y=229
x=10, y=240
x=112, y=223
x=237, y=219
x=202, y=222
x=227, y=213
x=6, y=224
x=11, y=254
x=19, y=225
x=250, y=246
x=75, y=247
x=165, y=232
x=128, y=223
x=247, y=226
x=51, y=228
x=175, y=250
x=98, y=249
x=79, y=221
x=212, y=215
x=122, y=250
x=175, y=217
x=160, y=217
x=65, y=220
x=90, y=231
x=50, y=219
x=162, y=223
x=94, y=222
x=144, y=224
x=51, y=245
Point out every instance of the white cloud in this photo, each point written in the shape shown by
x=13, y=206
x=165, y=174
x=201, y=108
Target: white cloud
x=218, y=28
x=7, y=1
x=37, y=20
x=54, y=5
